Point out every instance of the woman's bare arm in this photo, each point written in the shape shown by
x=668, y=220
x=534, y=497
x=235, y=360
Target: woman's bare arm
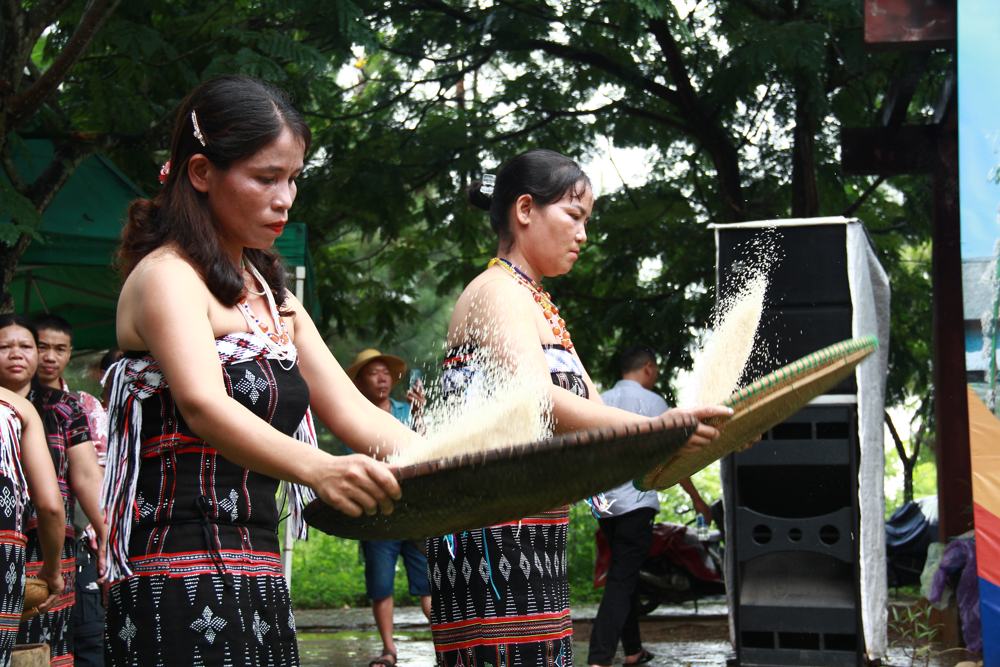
x=515, y=338
x=43, y=488
x=85, y=478
x=168, y=306
x=365, y=427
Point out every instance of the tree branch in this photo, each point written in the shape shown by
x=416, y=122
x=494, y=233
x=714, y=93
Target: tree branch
x=751, y=127
x=896, y=440
x=26, y=102
x=702, y=124
x=44, y=188
x=760, y=11
x=856, y=204
x=31, y=25
x=463, y=17
x=657, y=117
x=600, y=61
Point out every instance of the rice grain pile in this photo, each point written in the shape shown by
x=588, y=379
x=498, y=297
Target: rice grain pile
x=490, y=408
x=727, y=348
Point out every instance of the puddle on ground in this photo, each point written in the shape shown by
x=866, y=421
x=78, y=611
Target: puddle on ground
x=678, y=637
x=350, y=648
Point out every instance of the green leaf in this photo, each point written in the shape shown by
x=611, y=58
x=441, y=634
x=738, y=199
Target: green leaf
x=20, y=215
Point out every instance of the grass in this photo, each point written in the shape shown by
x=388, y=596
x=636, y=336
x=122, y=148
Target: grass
x=330, y=574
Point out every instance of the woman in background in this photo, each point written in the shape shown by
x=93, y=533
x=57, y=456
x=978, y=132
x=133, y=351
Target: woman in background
x=500, y=594
x=25, y=471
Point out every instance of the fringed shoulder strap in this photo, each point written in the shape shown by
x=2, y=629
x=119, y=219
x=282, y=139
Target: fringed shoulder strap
x=10, y=455
x=299, y=495
x=132, y=380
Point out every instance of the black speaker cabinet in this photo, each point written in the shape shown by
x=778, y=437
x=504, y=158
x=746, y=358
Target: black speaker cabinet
x=792, y=518
x=792, y=526
x=808, y=302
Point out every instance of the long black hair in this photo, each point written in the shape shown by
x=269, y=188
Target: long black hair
x=236, y=117
x=545, y=175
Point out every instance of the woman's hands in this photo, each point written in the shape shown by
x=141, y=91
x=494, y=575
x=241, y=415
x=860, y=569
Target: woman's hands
x=53, y=578
x=355, y=484
x=710, y=422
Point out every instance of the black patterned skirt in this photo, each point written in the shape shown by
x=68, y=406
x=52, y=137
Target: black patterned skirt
x=500, y=594
x=54, y=627
x=219, y=607
x=12, y=547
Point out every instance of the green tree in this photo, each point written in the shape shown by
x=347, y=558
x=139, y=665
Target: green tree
x=97, y=75
x=34, y=63
x=739, y=101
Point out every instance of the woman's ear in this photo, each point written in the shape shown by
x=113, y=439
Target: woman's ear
x=522, y=209
x=199, y=169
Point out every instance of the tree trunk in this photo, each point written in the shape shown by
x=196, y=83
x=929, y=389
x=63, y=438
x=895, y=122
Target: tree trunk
x=10, y=255
x=909, y=461
x=908, y=481
x=805, y=195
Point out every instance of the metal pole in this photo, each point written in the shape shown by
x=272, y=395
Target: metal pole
x=286, y=554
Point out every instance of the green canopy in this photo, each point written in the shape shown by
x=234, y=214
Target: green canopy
x=69, y=271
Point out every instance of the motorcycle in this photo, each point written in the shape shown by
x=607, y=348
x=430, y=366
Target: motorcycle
x=908, y=533
x=680, y=567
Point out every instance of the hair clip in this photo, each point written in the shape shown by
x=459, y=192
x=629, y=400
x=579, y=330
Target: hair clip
x=164, y=172
x=489, y=180
x=197, y=130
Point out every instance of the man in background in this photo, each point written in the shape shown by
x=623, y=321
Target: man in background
x=625, y=516
x=55, y=348
x=375, y=374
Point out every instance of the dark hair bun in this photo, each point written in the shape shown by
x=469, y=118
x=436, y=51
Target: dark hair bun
x=477, y=198
x=142, y=211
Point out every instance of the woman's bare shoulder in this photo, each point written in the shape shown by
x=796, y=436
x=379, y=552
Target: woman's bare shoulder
x=485, y=302
x=491, y=287
x=164, y=281
x=163, y=268
x=20, y=405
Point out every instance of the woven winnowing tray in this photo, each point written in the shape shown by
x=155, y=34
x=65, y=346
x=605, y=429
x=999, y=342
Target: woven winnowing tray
x=765, y=403
x=466, y=492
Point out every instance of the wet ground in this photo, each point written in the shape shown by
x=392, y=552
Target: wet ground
x=678, y=637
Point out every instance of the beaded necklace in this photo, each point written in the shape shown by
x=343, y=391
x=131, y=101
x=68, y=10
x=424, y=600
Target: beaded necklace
x=277, y=342
x=541, y=297
x=245, y=270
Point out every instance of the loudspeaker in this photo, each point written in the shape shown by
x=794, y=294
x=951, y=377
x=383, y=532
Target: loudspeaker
x=808, y=301
x=792, y=531
x=792, y=517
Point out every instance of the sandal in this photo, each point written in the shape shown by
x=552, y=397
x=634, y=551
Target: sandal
x=384, y=660
x=643, y=657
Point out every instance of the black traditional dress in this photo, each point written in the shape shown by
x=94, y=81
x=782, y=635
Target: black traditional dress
x=500, y=595
x=195, y=566
x=66, y=426
x=13, y=496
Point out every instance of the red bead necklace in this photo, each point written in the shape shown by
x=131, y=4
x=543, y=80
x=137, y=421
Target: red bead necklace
x=541, y=297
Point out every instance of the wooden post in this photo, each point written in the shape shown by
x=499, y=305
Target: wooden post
x=933, y=149
x=951, y=410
